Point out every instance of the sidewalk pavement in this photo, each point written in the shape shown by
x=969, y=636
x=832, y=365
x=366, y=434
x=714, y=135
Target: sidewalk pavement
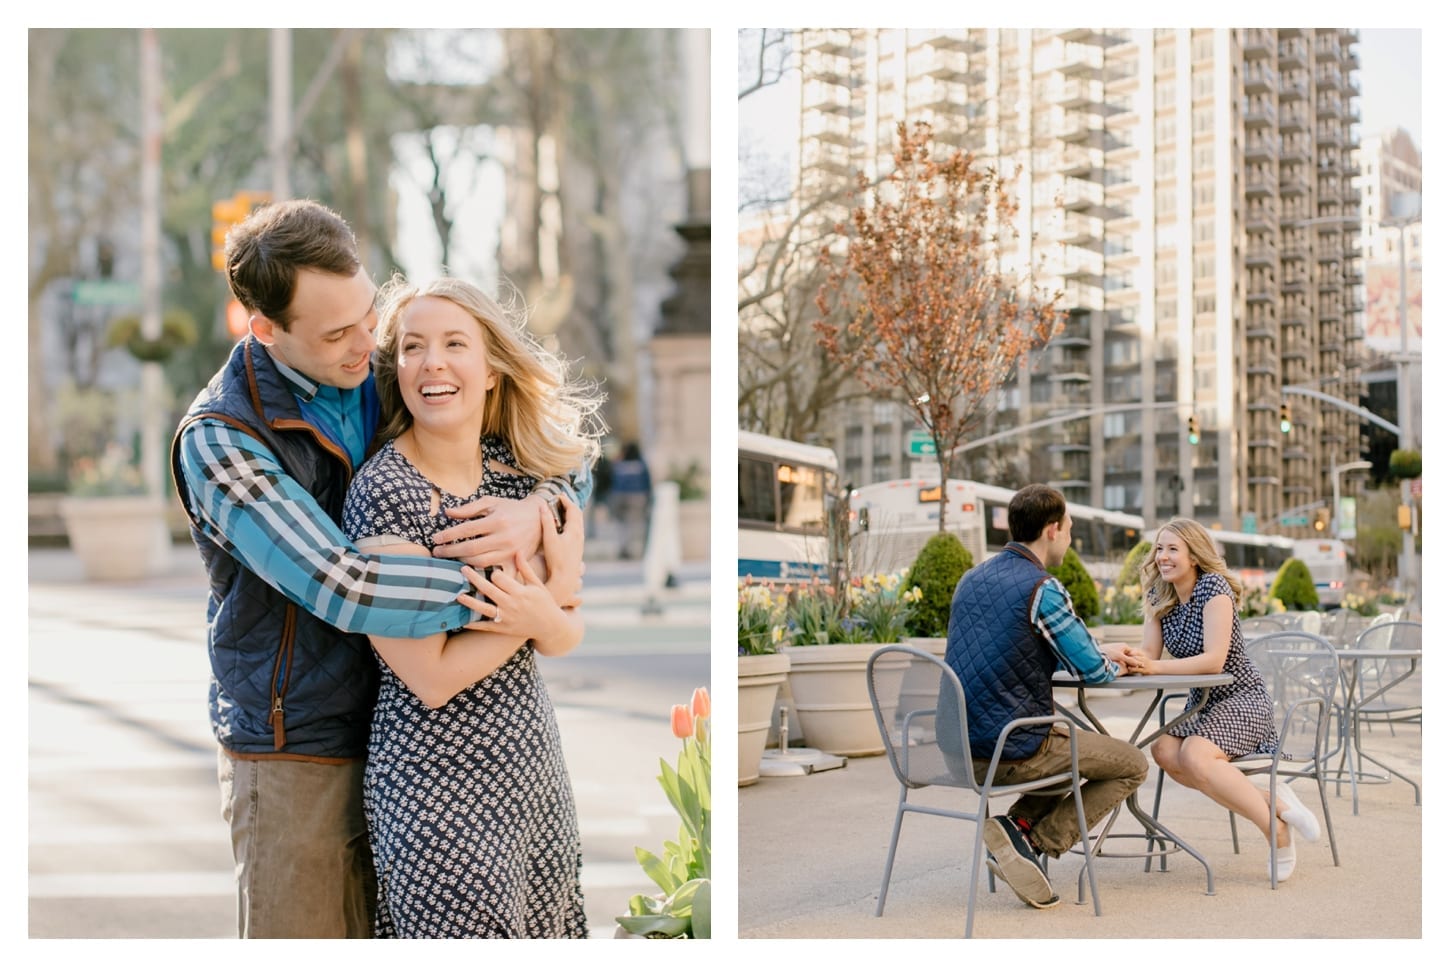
x=813, y=848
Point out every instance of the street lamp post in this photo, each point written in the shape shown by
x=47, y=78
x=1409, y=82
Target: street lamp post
x=1406, y=212
x=1334, y=473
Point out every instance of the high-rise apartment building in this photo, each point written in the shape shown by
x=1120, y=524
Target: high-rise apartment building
x=1192, y=195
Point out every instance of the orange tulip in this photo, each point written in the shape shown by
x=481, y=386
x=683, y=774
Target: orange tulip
x=700, y=704
x=681, y=722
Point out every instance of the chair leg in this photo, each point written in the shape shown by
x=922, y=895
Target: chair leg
x=1328, y=822
x=1233, y=828
x=891, y=855
x=1087, y=852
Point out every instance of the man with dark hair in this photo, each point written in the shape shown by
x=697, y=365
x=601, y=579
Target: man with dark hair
x=1011, y=626
x=262, y=461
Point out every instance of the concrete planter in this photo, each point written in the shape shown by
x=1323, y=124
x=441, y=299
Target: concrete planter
x=759, y=679
x=828, y=683
x=118, y=538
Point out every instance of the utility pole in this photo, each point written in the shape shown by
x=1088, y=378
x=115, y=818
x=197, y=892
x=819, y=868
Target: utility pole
x=280, y=98
x=152, y=379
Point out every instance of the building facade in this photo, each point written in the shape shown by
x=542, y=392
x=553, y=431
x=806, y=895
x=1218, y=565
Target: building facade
x=1192, y=194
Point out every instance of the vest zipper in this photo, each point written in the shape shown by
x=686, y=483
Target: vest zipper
x=281, y=678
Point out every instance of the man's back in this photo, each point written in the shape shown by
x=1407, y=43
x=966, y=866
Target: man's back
x=1005, y=666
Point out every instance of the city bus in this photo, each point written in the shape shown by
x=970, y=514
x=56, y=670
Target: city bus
x=891, y=520
x=784, y=508
x=1328, y=563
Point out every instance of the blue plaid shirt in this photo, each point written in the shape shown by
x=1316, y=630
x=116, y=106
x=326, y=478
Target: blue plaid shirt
x=1067, y=636
x=250, y=506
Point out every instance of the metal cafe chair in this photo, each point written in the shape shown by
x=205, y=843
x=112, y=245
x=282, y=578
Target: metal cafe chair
x=1400, y=701
x=1301, y=671
x=922, y=715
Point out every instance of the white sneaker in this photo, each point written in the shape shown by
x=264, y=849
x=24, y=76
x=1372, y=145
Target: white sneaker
x=1296, y=814
x=1286, y=858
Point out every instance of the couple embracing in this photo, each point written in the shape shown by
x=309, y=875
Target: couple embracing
x=385, y=490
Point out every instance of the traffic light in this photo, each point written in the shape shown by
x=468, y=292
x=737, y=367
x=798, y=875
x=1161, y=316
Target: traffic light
x=1321, y=519
x=1193, y=435
x=225, y=214
x=1286, y=419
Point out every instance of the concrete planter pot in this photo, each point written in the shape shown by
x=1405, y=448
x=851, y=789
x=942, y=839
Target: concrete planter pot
x=828, y=684
x=118, y=538
x=759, y=680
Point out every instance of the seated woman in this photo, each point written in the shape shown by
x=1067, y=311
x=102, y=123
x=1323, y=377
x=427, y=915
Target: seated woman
x=1190, y=608
x=469, y=807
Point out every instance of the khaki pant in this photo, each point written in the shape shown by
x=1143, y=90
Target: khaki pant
x=1110, y=768
x=300, y=843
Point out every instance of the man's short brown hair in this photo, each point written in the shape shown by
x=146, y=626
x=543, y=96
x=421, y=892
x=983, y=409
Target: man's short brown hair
x=1032, y=508
x=265, y=250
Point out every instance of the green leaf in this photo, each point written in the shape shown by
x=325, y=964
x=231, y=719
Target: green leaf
x=661, y=926
x=657, y=870
x=700, y=916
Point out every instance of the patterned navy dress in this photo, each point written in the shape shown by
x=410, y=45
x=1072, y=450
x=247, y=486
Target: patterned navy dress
x=469, y=807
x=1239, y=718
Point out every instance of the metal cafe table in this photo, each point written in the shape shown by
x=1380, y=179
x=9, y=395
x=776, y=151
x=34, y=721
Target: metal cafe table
x=1156, y=836
x=1351, y=664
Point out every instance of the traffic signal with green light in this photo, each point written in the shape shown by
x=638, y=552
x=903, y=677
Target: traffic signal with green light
x=1193, y=435
x=1286, y=418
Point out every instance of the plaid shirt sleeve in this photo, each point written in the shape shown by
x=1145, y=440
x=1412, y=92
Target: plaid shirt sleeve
x=254, y=510
x=579, y=485
x=1067, y=636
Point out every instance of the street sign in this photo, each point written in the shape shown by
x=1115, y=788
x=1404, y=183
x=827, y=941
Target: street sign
x=919, y=444
x=106, y=292
x=1294, y=520
x=925, y=470
x=1251, y=523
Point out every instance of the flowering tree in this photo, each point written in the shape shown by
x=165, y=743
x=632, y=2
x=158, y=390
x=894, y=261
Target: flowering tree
x=934, y=319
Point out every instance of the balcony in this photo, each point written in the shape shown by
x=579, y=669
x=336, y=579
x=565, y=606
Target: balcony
x=1294, y=120
x=1295, y=90
x=1260, y=184
x=1293, y=182
x=1260, y=114
x=1260, y=149
x=1258, y=42
x=1293, y=54
x=1261, y=256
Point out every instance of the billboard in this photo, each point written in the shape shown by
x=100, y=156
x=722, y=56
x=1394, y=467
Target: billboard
x=1382, y=306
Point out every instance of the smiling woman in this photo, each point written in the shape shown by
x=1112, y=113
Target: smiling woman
x=483, y=841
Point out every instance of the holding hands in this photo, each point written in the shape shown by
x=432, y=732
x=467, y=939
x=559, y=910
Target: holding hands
x=1135, y=661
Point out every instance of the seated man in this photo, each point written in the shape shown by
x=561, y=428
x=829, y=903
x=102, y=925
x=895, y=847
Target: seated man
x=1011, y=626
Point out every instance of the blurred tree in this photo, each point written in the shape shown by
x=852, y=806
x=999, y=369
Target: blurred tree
x=935, y=320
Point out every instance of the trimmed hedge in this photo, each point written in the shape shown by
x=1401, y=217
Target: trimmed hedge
x=1131, y=572
x=938, y=568
x=1079, y=584
x=1294, y=586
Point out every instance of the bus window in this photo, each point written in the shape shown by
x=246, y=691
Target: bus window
x=998, y=533
x=802, y=498
x=757, y=491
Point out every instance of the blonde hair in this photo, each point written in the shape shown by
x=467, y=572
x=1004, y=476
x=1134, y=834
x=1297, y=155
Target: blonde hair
x=549, y=421
x=1160, y=597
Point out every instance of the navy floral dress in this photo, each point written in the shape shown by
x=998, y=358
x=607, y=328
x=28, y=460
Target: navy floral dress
x=1239, y=718
x=469, y=807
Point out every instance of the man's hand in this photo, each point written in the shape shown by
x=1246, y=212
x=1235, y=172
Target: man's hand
x=564, y=553
x=1119, y=654
x=497, y=530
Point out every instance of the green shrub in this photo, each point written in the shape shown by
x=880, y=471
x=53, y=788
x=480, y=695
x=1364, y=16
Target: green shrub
x=1079, y=584
x=938, y=568
x=1131, y=572
x=1294, y=586
x=1405, y=464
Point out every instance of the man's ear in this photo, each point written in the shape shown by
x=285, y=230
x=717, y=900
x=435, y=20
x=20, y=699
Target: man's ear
x=263, y=329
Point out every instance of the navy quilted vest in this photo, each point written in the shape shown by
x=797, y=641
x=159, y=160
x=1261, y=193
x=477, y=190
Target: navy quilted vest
x=284, y=683
x=1005, y=665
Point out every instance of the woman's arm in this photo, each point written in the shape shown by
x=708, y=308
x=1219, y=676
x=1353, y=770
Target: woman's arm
x=548, y=605
x=1218, y=616
x=440, y=666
